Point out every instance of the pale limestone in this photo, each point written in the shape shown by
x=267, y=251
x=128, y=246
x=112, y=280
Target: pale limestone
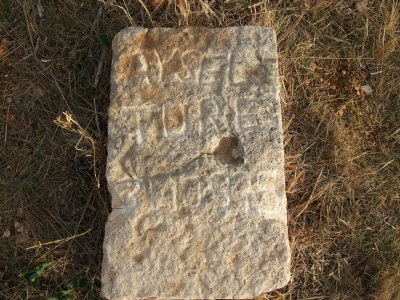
x=195, y=165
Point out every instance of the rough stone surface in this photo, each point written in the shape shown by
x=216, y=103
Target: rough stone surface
x=195, y=165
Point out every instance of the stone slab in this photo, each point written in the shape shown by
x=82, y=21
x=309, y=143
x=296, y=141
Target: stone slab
x=195, y=166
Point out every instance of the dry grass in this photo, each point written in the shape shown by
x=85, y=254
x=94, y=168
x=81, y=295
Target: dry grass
x=340, y=68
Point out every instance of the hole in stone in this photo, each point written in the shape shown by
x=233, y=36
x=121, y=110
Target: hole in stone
x=227, y=150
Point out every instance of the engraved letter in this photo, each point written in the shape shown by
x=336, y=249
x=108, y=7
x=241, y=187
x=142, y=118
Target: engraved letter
x=175, y=121
x=246, y=121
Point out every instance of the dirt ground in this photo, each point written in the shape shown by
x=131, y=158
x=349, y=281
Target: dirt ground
x=340, y=76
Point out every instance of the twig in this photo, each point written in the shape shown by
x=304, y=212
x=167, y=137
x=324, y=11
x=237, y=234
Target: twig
x=100, y=67
x=311, y=196
x=100, y=12
x=39, y=245
x=98, y=15
x=6, y=130
x=96, y=118
x=145, y=8
x=84, y=134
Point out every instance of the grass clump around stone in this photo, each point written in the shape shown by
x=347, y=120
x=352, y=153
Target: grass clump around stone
x=339, y=73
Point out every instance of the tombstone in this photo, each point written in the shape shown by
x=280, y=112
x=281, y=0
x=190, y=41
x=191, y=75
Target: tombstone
x=195, y=166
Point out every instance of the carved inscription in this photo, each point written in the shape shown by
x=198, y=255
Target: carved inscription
x=210, y=115
x=195, y=166
x=154, y=67
x=193, y=192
